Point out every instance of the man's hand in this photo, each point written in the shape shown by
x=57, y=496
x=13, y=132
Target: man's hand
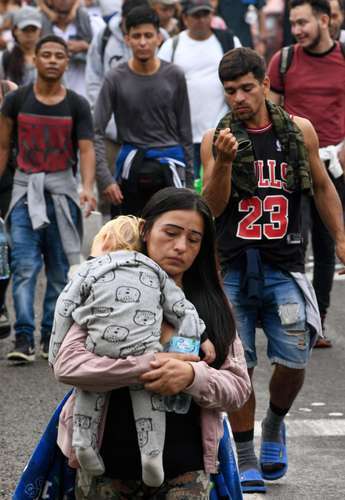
x=75, y=46
x=226, y=146
x=340, y=251
x=171, y=373
x=88, y=201
x=113, y=194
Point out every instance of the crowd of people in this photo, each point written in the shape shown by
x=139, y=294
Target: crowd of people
x=139, y=99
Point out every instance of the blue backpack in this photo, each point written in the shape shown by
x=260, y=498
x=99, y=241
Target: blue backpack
x=48, y=475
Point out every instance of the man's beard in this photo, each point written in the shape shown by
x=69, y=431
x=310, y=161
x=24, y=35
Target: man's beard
x=314, y=43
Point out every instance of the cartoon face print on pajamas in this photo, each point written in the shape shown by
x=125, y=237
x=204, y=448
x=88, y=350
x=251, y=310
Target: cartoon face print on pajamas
x=144, y=318
x=157, y=402
x=101, y=312
x=144, y=426
x=127, y=294
x=107, y=277
x=115, y=333
x=149, y=279
x=100, y=261
x=66, y=307
x=101, y=398
x=180, y=308
x=82, y=421
x=140, y=348
x=86, y=292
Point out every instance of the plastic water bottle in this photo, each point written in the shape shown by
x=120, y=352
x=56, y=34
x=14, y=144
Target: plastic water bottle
x=4, y=264
x=180, y=403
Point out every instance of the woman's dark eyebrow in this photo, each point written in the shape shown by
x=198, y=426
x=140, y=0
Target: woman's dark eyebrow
x=182, y=228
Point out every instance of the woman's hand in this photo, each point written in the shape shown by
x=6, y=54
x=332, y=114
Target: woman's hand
x=171, y=373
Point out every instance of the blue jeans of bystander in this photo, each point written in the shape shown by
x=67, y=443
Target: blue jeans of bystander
x=30, y=249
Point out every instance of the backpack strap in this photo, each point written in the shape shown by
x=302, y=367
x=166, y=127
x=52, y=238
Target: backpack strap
x=342, y=48
x=104, y=41
x=286, y=56
x=175, y=41
x=225, y=38
x=22, y=94
x=5, y=60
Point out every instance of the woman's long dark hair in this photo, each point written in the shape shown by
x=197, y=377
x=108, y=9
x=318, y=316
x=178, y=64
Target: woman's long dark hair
x=201, y=282
x=14, y=66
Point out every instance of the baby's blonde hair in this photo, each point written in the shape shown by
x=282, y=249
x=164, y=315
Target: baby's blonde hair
x=122, y=233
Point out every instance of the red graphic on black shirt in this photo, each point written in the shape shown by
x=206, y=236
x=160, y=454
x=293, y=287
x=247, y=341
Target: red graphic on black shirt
x=267, y=216
x=44, y=143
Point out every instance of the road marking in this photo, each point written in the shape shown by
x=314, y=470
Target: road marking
x=318, y=403
x=311, y=427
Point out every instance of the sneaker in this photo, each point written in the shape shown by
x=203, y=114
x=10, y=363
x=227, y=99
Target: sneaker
x=5, y=325
x=45, y=348
x=322, y=343
x=22, y=351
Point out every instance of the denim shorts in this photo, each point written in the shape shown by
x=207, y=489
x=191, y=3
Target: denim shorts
x=280, y=312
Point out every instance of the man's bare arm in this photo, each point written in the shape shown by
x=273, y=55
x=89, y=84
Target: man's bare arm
x=325, y=195
x=6, y=127
x=87, y=172
x=217, y=172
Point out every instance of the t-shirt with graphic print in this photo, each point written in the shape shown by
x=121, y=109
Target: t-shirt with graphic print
x=269, y=220
x=47, y=136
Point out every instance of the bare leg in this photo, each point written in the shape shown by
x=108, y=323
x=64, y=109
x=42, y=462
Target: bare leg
x=285, y=384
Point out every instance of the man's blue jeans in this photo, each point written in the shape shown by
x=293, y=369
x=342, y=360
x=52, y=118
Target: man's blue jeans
x=30, y=249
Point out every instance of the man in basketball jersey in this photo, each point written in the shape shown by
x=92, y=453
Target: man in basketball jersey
x=257, y=163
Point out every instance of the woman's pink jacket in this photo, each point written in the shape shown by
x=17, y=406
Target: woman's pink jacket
x=215, y=391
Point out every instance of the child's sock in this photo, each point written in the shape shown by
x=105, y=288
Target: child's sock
x=152, y=469
x=90, y=460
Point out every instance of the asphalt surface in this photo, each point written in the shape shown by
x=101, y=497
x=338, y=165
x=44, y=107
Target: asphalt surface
x=316, y=423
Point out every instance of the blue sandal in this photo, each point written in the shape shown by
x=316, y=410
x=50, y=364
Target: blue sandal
x=273, y=454
x=252, y=481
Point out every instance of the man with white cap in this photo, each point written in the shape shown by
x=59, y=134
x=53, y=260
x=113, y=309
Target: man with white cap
x=198, y=51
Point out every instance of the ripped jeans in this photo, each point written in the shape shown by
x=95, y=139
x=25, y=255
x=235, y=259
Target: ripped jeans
x=281, y=314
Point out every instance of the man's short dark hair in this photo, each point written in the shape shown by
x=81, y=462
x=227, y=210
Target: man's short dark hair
x=317, y=6
x=142, y=15
x=129, y=5
x=52, y=39
x=342, y=5
x=239, y=62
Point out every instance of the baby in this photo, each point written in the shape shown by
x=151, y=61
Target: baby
x=120, y=297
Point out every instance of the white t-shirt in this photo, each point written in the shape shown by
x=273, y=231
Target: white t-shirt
x=74, y=77
x=199, y=61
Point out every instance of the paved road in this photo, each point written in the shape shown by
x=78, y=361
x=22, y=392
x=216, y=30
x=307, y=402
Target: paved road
x=316, y=424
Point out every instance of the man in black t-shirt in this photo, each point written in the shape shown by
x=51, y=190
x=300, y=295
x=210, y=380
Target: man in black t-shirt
x=49, y=124
x=257, y=164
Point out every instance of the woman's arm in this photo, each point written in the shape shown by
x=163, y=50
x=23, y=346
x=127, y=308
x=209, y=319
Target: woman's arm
x=226, y=389
x=76, y=366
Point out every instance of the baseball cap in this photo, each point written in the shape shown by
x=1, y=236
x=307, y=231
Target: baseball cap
x=167, y=2
x=27, y=16
x=193, y=6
